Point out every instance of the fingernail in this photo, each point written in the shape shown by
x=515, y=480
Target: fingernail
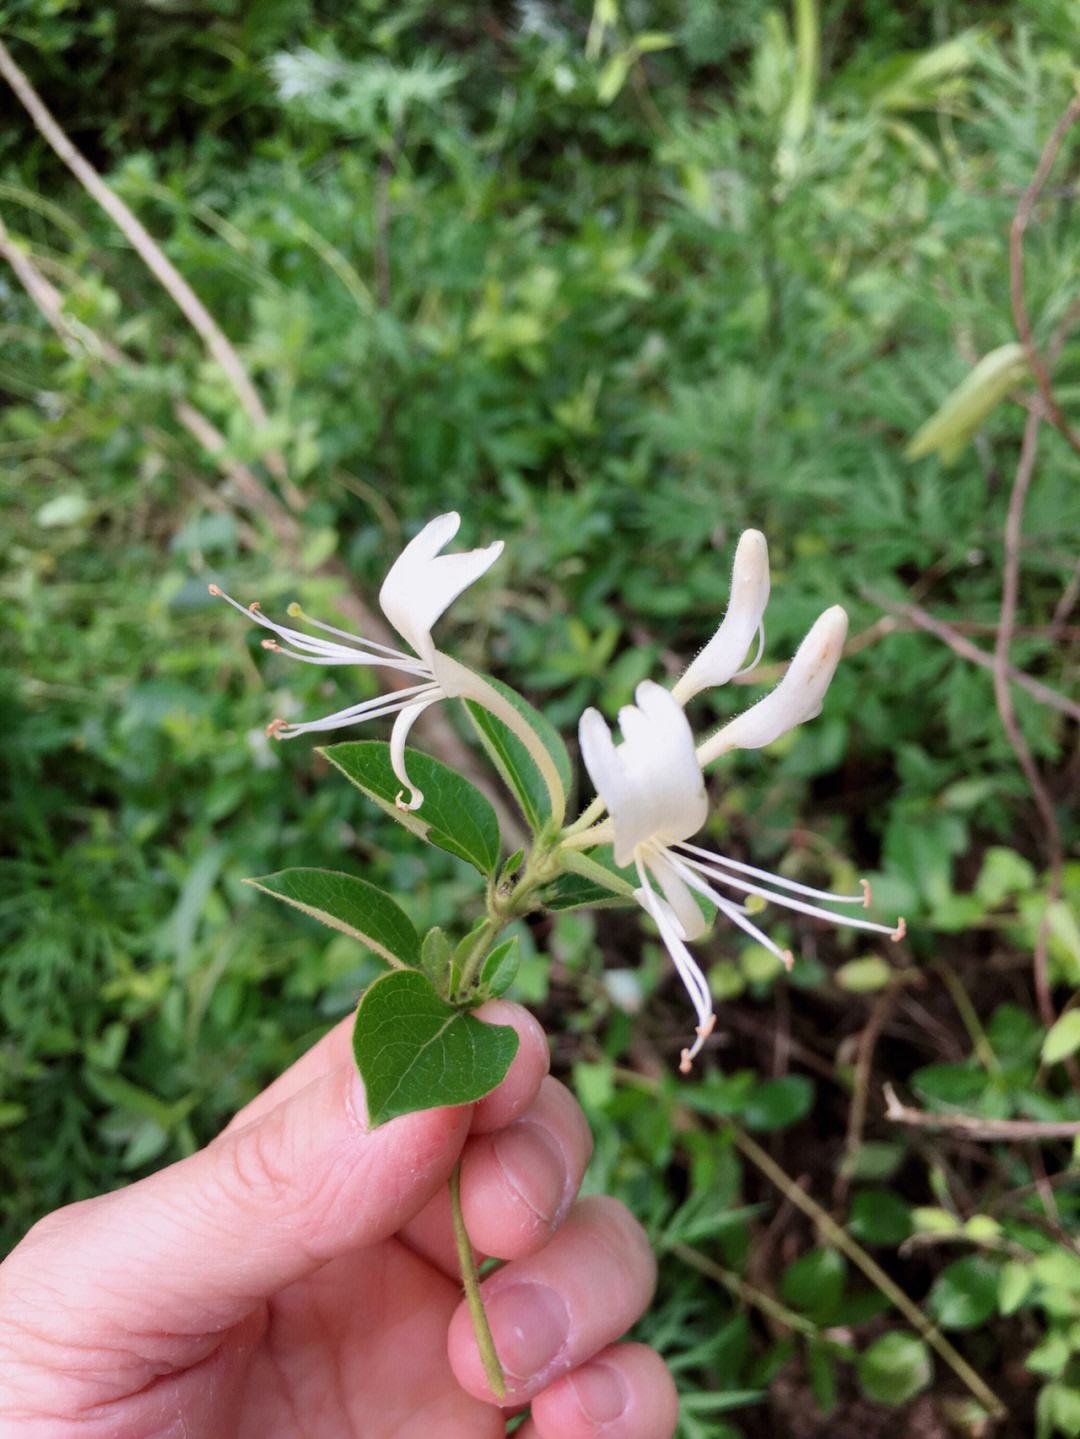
x=601, y=1392
x=530, y=1325
x=533, y=1165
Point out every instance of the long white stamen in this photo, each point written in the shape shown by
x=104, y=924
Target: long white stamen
x=815, y=911
x=376, y=708
x=347, y=657
x=734, y=912
x=326, y=651
x=297, y=613
x=688, y=969
x=776, y=879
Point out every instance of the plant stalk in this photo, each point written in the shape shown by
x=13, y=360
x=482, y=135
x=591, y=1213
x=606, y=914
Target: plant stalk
x=470, y=1280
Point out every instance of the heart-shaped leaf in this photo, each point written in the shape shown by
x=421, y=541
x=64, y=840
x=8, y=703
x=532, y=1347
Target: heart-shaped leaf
x=414, y=1051
x=350, y=904
x=512, y=759
x=455, y=815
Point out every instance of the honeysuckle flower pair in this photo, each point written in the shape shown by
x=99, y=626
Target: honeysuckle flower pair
x=654, y=790
x=651, y=784
x=421, y=584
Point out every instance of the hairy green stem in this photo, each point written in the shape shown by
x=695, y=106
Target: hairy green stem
x=470, y=1280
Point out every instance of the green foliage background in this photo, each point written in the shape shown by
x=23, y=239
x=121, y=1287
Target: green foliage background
x=615, y=284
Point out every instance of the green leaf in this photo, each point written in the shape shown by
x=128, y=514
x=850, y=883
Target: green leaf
x=815, y=1283
x=1063, y=1038
x=513, y=761
x=350, y=904
x=414, y=1051
x=779, y=1102
x=436, y=953
x=894, y=1369
x=1003, y=873
x=455, y=815
x=499, y=968
x=864, y=976
x=963, y=412
x=878, y=1216
x=1014, y=1285
x=964, y=1294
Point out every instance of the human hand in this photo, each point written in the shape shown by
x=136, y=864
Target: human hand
x=297, y=1278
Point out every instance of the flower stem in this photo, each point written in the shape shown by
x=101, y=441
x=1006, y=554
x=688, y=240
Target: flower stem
x=470, y=1280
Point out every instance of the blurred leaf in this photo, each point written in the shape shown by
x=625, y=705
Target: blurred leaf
x=894, y=1369
x=776, y=1103
x=964, y=1294
x=954, y=424
x=1063, y=1039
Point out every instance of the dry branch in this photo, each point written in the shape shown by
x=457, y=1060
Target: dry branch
x=149, y=251
x=973, y=1126
x=260, y=501
x=1021, y=219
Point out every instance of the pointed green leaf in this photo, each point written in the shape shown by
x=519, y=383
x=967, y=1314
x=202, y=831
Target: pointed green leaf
x=414, y=1051
x=894, y=1369
x=1063, y=1039
x=455, y=815
x=961, y=414
x=499, y=968
x=345, y=902
x=513, y=761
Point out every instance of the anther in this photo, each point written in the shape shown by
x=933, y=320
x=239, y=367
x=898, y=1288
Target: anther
x=900, y=930
x=704, y=1030
x=686, y=1064
x=254, y=606
x=867, y=893
x=271, y=645
x=788, y=959
x=215, y=590
x=274, y=728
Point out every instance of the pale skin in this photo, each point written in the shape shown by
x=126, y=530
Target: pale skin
x=297, y=1279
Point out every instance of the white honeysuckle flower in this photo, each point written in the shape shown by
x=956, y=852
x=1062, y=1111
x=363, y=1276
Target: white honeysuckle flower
x=421, y=585
x=743, y=622
x=798, y=697
x=654, y=790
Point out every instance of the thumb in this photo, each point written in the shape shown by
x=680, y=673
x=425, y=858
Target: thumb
x=200, y=1243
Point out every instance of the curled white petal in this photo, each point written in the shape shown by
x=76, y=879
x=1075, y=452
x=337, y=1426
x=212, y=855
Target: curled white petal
x=724, y=654
x=422, y=583
x=651, y=783
x=798, y=697
x=398, y=735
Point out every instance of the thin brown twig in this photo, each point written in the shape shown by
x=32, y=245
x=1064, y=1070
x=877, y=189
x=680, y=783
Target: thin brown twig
x=1065, y=605
x=1010, y=592
x=942, y=630
x=1021, y=219
x=973, y=1126
x=150, y=252
x=869, y=1035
